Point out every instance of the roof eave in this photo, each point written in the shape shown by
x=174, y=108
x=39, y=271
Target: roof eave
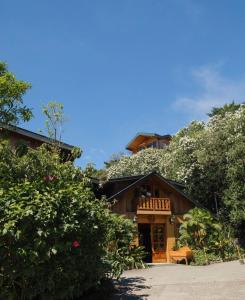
x=162, y=178
x=148, y=135
x=35, y=136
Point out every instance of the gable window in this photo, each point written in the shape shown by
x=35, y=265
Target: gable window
x=156, y=193
x=152, y=145
x=146, y=190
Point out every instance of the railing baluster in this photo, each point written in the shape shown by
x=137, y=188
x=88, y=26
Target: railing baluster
x=155, y=204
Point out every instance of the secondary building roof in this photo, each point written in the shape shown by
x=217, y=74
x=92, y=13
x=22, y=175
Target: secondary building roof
x=142, y=136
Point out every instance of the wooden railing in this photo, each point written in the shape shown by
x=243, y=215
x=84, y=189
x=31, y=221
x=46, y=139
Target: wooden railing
x=154, y=204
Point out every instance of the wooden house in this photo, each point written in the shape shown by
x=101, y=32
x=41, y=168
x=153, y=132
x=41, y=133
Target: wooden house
x=156, y=205
x=17, y=136
x=144, y=140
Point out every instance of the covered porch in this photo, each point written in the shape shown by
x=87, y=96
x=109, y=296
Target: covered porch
x=155, y=228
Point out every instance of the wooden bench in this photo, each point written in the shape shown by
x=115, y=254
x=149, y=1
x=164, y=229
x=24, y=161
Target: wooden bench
x=184, y=253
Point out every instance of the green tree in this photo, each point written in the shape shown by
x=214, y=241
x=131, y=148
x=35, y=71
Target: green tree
x=114, y=159
x=230, y=107
x=12, y=90
x=54, y=113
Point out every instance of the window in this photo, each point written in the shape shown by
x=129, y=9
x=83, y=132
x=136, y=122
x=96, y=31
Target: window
x=146, y=190
x=152, y=145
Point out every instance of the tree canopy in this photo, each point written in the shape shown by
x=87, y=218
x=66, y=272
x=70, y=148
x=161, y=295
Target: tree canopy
x=54, y=113
x=230, y=107
x=12, y=109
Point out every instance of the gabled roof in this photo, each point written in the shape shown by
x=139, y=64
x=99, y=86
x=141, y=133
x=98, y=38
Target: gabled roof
x=35, y=136
x=141, y=135
x=170, y=183
x=137, y=177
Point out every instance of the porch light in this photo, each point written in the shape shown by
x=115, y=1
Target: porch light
x=135, y=219
x=172, y=219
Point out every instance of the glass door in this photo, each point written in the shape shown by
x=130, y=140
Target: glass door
x=158, y=242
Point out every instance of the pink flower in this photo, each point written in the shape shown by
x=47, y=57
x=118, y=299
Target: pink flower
x=49, y=178
x=75, y=244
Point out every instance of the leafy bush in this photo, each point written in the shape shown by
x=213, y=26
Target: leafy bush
x=199, y=229
x=56, y=240
x=121, y=254
x=210, y=240
x=200, y=258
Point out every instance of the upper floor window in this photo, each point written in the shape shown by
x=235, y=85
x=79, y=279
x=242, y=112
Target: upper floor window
x=145, y=190
x=152, y=145
x=156, y=193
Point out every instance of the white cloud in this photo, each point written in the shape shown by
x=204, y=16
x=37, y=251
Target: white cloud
x=214, y=90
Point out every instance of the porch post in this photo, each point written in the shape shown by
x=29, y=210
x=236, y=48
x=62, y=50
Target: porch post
x=170, y=238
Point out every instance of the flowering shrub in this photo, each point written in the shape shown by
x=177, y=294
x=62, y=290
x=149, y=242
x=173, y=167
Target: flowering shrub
x=143, y=162
x=56, y=239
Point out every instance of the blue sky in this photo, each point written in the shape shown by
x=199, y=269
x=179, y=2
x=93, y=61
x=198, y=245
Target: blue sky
x=124, y=66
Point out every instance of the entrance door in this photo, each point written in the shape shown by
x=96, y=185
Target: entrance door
x=144, y=231
x=158, y=243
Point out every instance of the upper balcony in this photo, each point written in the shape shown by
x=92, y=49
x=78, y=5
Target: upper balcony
x=154, y=206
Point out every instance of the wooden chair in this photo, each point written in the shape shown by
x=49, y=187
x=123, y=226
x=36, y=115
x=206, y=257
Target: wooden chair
x=184, y=253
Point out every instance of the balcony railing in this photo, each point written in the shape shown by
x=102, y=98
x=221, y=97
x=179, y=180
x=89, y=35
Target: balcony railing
x=154, y=204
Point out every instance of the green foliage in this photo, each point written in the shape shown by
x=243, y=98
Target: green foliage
x=114, y=159
x=210, y=240
x=201, y=258
x=54, y=114
x=230, y=107
x=122, y=256
x=91, y=171
x=56, y=240
x=76, y=153
x=234, y=194
x=143, y=162
x=199, y=229
x=126, y=258
x=12, y=109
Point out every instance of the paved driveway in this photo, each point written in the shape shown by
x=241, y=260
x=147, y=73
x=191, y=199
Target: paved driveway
x=221, y=281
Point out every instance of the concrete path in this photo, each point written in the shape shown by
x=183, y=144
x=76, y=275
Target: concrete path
x=220, y=281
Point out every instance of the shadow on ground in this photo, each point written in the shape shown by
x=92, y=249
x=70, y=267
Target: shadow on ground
x=130, y=288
